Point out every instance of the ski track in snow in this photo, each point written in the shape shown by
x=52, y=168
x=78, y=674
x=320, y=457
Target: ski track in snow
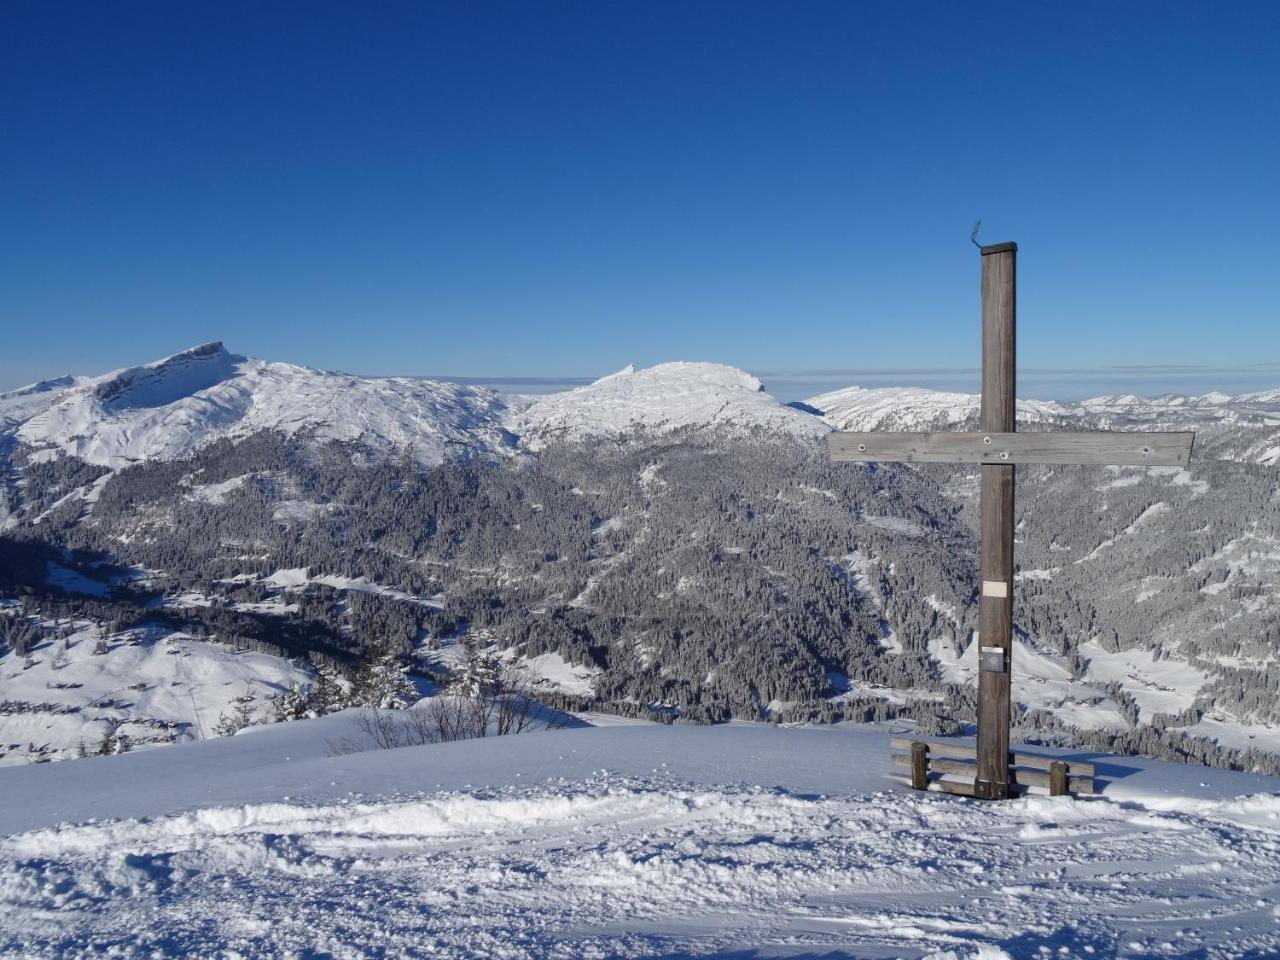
x=615, y=866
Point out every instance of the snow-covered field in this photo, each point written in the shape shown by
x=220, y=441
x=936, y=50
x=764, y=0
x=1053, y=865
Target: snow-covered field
x=628, y=840
x=150, y=684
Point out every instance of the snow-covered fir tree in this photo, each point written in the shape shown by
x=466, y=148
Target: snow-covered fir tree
x=382, y=682
x=327, y=694
x=241, y=716
x=292, y=704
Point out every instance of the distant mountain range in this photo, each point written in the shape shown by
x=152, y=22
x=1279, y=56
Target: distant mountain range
x=175, y=406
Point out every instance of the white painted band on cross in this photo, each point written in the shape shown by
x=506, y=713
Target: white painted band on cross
x=995, y=588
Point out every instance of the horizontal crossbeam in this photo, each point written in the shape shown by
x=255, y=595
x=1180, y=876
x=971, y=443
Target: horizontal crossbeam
x=1098, y=447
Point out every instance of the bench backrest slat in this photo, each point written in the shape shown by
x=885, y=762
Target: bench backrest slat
x=1018, y=758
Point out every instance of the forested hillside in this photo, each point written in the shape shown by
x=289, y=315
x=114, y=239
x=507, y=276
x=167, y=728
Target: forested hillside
x=685, y=573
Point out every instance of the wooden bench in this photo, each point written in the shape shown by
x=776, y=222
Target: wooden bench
x=928, y=761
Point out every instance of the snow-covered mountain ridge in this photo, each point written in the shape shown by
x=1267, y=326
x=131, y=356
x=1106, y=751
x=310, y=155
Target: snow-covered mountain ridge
x=911, y=408
x=1243, y=428
x=172, y=407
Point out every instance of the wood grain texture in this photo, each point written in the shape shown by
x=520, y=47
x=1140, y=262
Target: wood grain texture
x=999, y=338
x=995, y=625
x=1034, y=778
x=953, y=786
x=995, y=555
x=1042, y=762
x=1058, y=780
x=959, y=751
x=1098, y=447
x=965, y=768
x=919, y=766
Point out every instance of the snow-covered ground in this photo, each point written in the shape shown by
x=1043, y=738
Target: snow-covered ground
x=151, y=684
x=627, y=840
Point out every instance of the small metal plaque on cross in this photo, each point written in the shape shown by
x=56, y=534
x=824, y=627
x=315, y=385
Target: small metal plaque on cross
x=999, y=448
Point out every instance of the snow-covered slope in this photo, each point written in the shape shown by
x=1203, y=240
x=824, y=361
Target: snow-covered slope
x=1257, y=408
x=912, y=408
x=24, y=403
x=170, y=408
x=1244, y=428
x=662, y=398
x=150, y=684
x=625, y=841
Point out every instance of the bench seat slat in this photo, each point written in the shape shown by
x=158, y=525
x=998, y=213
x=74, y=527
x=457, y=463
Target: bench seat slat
x=1075, y=781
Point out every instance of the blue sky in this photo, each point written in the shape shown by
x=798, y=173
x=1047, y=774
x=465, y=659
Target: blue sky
x=557, y=189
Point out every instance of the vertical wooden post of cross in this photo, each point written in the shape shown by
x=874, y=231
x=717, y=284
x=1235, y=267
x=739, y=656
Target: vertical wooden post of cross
x=995, y=604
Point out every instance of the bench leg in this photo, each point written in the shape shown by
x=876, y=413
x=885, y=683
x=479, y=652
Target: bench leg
x=1057, y=779
x=920, y=766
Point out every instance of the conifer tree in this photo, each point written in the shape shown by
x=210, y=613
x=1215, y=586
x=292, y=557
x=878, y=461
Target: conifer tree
x=241, y=716
x=292, y=704
x=480, y=676
x=327, y=694
x=383, y=683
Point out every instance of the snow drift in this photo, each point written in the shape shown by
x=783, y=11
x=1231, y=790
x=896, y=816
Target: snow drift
x=636, y=840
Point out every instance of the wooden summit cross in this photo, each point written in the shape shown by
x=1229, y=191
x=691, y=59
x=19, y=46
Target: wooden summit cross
x=998, y=448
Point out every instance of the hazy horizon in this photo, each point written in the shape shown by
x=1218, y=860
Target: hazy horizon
x=1065, y=386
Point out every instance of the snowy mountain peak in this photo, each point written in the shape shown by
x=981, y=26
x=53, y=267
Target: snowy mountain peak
x=172, y=407
x=626, y=371
x=662, y=398
x=165, y=381
x=25, y=402
x=52, y=385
